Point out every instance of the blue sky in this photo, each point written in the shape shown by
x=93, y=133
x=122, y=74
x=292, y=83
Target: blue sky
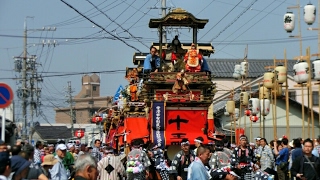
x=232, y=25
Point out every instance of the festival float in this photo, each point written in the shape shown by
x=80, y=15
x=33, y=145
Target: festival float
x=174, y=103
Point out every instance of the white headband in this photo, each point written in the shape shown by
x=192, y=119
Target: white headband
x=184, y=143
x=197, y=140
x=243, y=137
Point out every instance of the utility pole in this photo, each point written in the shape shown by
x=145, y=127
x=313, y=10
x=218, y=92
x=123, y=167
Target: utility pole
x=71, y=108
x=34, y=91
x=24, y=82
x=26, y=65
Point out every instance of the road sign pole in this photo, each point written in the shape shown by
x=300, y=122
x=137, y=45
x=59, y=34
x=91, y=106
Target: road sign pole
x=3, y=125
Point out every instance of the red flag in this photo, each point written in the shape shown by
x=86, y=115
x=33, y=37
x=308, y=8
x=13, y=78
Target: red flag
x=185, y=124
x=136, y=127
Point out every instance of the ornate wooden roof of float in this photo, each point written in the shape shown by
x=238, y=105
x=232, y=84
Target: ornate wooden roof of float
x=179, y=17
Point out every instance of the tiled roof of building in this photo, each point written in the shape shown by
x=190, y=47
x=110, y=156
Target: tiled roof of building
x=53, y=132
x=224, y=68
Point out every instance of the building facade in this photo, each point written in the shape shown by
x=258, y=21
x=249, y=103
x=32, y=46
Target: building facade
x=86, y=104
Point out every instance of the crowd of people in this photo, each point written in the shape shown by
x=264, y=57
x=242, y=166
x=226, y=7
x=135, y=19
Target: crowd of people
x=280, y=159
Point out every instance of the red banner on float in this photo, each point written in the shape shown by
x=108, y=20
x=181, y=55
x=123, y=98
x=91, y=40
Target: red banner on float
x=185, y=124
x=136, y=127
x=109, y=139
x=239, y=132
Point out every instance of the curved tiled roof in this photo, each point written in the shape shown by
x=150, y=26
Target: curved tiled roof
x=224, y=68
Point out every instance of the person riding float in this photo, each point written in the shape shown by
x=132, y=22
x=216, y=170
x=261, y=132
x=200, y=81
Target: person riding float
x=193, y=59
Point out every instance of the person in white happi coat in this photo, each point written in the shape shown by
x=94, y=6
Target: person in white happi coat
x=110, y=167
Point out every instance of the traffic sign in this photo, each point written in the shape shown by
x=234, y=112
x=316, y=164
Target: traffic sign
x=6, y=95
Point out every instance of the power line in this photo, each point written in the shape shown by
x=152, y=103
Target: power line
x=246, y=23
x=205, y=7
x=221, y=19
x=253, y=24
x=72, y=74
x=234, y=20
x=78, y=18
x=122, y=13
x=100, y=26
x=117, y=23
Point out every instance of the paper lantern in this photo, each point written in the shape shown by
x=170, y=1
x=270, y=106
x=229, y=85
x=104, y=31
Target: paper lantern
x=302, y=72
x=281, y=74
x=295, y=76
x=288, y=19
x=247, y=112
x=244, y=69
x=254, y=118
x=268, y=80
x=79, y=133
x=264, y=93
x=244, y=98
x=225, y=110
x=254, y=106
x=97, y=119
x=309, y=13
x=316, y=69
x=236, y=113
x=279, y=91
x=265, y=106
x=237, y=71
x=230, y=107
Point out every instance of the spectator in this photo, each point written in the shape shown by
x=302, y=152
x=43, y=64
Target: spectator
x=71, y=148
x=37, y=153
x=68, y=160
x=15, y=150
x=51, y=148
x=86, y=168
x=58, y=171
x=266, y=155
x=315, y=149
x=34, y=171
x=48, y=162
x=96, y=150
x=282, y=156
x=5, y=165
x=19, y=167
x=307, y=166
x=297, y=152
x=3, y=146
x=82, y=149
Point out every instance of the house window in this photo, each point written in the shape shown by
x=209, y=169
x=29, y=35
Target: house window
x=94, y=88
x=292, y=95
x=315, y=98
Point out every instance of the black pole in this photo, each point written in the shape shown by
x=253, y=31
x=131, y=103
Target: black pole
x=195, y=36
x=160, y=46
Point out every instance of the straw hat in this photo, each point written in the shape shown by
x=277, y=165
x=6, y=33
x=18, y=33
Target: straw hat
x=49, y=160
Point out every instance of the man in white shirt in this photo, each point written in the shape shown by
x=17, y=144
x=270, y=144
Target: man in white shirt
x=58, y=171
